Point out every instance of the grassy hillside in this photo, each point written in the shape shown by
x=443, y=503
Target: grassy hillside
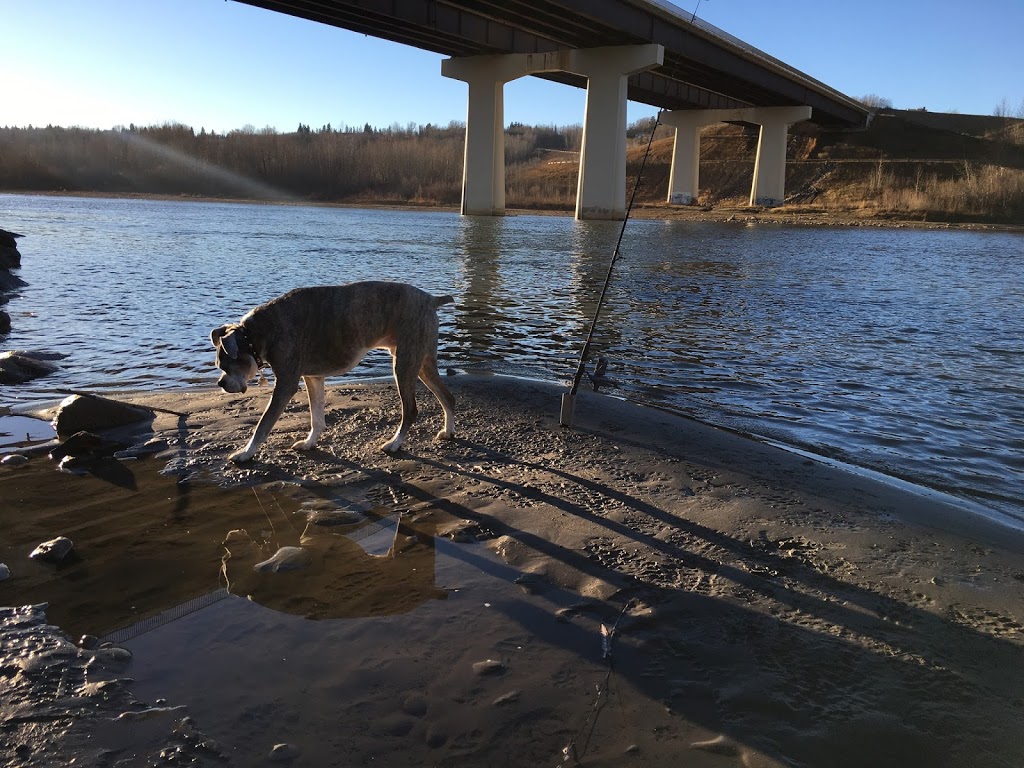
x=899, y=168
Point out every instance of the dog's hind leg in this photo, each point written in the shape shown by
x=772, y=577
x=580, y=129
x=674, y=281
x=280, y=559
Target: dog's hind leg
x=430, y=377
x=284, y=389
x=405, y=379
x=315, y=392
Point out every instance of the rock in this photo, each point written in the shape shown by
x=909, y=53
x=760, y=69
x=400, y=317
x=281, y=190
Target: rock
x=508, y=698
x=5, y=322
x=9, y=282
x=283, y=753
x=156, y=445
x=5, y=572
x=54, y=550
x=18, y=367
x=14, y=460
x=416, y=704
x=85, y=412
x=85, y=446
x=489, y=667
x=10, y=258
x=79, y=444
x=720, y=745
x=285, y=559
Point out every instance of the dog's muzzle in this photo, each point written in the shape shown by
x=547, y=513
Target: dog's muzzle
x=232, y=385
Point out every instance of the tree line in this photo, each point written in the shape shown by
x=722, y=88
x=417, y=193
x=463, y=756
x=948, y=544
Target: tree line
x=403, y=164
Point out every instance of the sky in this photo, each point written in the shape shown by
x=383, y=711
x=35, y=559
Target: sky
x=222, y=65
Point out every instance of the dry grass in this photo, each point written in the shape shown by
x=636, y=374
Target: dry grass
x=970, y=191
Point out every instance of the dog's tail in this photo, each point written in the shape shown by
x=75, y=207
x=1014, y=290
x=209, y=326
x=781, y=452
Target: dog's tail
x=440, y=301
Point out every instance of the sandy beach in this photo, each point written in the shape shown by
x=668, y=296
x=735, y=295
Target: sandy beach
x=640, y=589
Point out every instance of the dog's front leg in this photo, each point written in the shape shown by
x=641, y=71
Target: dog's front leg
x=315, y=392
x=284, y=389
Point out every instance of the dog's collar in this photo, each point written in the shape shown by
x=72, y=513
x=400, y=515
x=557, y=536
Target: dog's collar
x=248, y=347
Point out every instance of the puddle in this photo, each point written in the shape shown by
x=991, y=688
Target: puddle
x=488, y=671
x=389, y=644
x=17, y=432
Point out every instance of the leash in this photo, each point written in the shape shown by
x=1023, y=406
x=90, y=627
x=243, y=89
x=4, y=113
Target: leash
x=569, y=398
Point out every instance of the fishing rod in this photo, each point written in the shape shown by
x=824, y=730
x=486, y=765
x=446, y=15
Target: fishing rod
x=569, y=398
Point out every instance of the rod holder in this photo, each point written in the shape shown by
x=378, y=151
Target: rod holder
x=568, y=406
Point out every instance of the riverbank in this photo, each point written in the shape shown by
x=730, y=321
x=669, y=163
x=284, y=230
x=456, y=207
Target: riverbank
x=730, y=212
x=766, y=609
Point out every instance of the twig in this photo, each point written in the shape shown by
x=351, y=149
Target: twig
x=574, y=750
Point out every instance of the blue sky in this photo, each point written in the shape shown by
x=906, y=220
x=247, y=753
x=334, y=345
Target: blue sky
x=222, y=65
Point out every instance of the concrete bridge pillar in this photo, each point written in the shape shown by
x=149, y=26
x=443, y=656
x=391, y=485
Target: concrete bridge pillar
x=601, y=191
x=769, y=183
x=483, y=164
x=769, y=187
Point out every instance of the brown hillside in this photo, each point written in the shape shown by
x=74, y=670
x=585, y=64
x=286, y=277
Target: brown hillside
x=897, y=168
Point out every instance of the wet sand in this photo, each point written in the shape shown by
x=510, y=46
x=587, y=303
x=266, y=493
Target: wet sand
x=763, y=608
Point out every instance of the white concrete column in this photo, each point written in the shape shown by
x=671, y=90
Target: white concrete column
x=684, y=175
x=601, y=190
x=483, y=164
x=769, y=166
x=769, y=187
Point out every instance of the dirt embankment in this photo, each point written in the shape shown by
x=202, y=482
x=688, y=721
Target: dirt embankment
x=901, y=169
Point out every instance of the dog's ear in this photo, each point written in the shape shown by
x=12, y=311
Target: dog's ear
x=216, y=334
x=224, y=337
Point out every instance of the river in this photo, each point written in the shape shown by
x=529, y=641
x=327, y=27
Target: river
x=895, y=350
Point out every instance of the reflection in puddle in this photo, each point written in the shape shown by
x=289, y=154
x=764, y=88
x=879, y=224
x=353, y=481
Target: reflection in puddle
x=412, y=688
x=148, y=545
x=340, y=577
x=23, y=432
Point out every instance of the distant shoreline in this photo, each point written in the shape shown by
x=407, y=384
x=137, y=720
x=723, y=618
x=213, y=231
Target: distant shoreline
x=810, y=216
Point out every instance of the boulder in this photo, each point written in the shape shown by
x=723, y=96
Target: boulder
x=78, y=413
x=9, y=282
x=18, y=367
x=85, y=445
x=5, y=322
x=10, y=258
x=54, y=550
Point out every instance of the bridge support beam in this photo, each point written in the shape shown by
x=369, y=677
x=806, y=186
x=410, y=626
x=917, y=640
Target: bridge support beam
x=601, y=191
x=769, y=183
x=483, y=164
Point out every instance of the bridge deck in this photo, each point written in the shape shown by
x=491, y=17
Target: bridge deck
x=704, y=68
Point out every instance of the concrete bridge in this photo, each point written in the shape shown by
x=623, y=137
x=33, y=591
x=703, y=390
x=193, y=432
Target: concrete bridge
x=647, y=51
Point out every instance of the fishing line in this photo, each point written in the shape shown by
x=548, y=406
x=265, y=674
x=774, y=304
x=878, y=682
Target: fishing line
x=568, y=398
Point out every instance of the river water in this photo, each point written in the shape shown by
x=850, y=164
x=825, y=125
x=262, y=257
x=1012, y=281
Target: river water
x=896, y=350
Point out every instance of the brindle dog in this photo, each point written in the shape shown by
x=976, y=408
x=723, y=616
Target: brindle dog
x=311, y=333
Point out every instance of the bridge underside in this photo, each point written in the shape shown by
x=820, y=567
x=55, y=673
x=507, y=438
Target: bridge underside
x=618, y=50
x=701, y=69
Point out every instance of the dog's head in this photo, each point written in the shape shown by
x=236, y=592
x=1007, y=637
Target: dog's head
x=234, y=358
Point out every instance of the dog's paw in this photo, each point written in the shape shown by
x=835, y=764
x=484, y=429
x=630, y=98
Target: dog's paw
x=392, y=446
x=303, y=445
x=445, y=434
x=240, y=457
